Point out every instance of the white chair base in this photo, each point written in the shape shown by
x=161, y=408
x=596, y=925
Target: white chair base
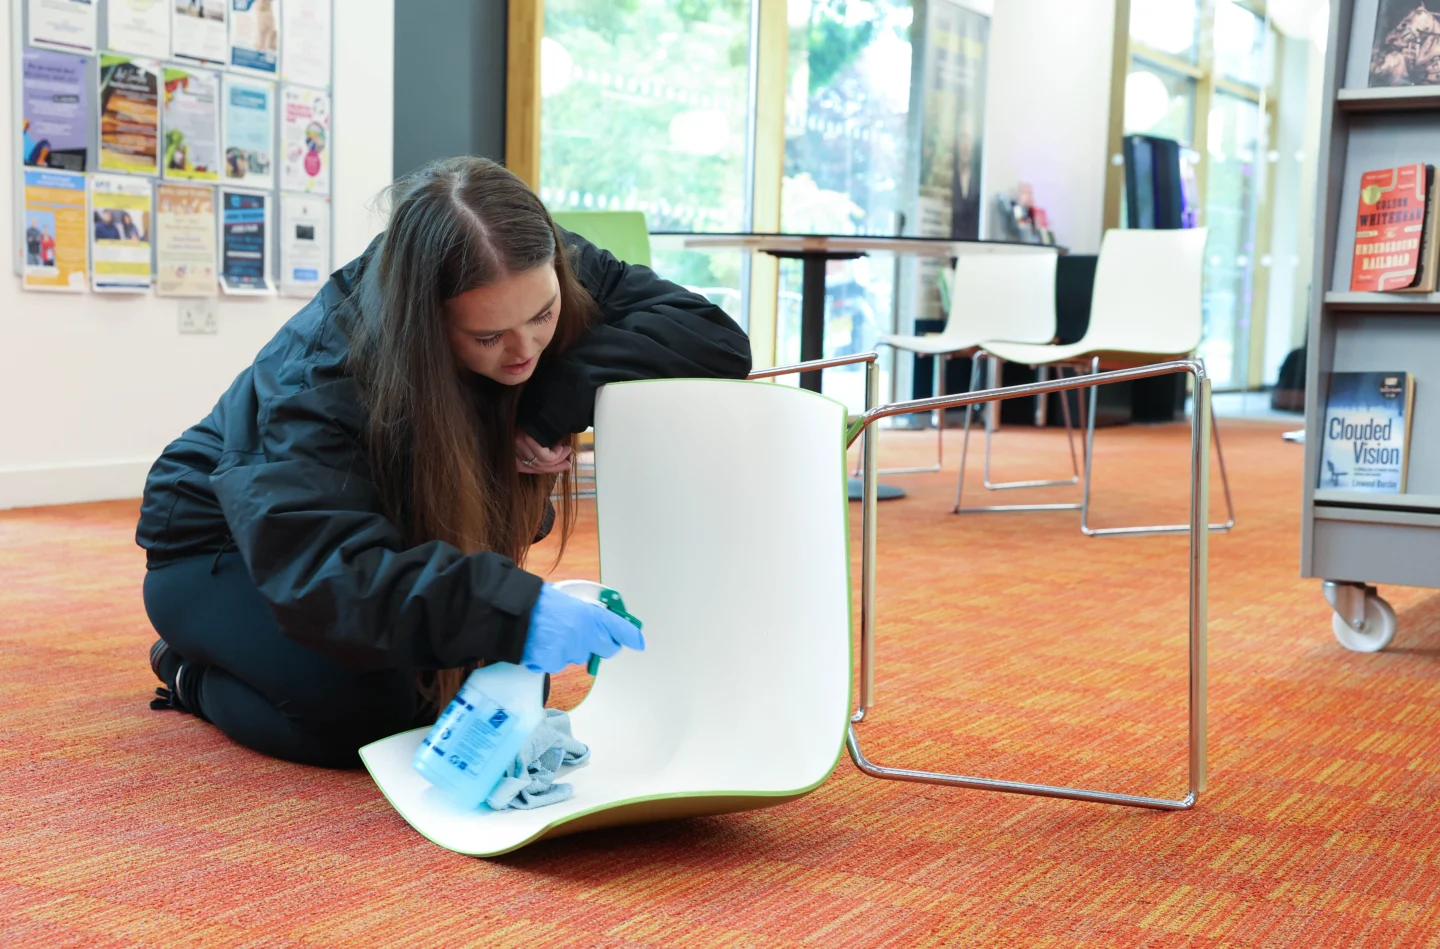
x=1198, y=587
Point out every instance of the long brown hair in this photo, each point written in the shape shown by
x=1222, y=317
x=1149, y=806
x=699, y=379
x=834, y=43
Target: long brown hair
x=441, y=439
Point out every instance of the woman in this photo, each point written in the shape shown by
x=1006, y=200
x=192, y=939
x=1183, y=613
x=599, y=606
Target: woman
x=338, y=542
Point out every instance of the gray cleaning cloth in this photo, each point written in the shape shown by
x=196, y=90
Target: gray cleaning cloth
x=529, y=782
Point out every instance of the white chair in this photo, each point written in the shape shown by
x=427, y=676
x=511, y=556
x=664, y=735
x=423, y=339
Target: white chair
x=740, y=699
x=1006, y=294
x=1145, y=307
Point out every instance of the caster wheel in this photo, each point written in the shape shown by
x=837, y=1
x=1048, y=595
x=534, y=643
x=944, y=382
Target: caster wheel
x=1379, y=627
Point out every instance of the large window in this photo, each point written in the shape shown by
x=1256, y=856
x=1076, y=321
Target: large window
x=847, y=112
x=646, y=107
x=1201, y=74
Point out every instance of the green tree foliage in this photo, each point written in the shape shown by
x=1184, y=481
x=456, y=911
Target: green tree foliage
x=839, y=32
x=653, y=118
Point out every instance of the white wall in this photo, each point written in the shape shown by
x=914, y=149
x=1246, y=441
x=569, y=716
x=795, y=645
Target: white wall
x=93, y=387
x=1048, y=110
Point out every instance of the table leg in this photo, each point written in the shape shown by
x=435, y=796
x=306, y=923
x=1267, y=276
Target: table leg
x=812, y=317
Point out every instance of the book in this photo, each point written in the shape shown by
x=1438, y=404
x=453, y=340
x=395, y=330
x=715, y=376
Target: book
x=1388, y=226
x=1365, y=443
x=1427, y=269
x=1406, y=47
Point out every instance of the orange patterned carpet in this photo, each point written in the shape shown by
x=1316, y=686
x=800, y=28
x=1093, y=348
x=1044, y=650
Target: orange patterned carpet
x=1010, y=646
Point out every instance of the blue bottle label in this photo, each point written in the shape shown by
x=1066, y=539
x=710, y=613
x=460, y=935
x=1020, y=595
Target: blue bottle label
x=469, y=731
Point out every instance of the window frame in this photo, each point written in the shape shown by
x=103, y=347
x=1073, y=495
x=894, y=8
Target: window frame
x=1208, y=82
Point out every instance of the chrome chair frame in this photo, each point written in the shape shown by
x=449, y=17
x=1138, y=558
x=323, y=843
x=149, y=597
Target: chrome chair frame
x=1198, y=568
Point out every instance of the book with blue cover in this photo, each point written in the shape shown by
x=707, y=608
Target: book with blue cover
x=1365, y=443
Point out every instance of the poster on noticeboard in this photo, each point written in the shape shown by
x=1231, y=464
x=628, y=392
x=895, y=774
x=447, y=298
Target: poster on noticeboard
x=249, y=132
x=198, y=30
x=245, y=243
x=129, y=115
x=192, y=124
x=55, y=120
x=66, y=25
x=305, y=52
x=120, y=222
x=54, y=222
x=185, y=241
x=305, y=140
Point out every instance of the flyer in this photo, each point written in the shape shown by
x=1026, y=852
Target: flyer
x=249, y=138
x=67, y=25
x=129, y=115
x=244, y=239
x=184, y=241
x=305, y=54
x=138, y=27
x=255, y=35
x=54, y=125
x=192, y=124
x=54, y=231
x=197, y=30
x=119, y=234
x=304, y=244
x=305, y=140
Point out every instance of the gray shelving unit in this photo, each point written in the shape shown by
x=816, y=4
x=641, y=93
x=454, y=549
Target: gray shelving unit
x=1352, y=540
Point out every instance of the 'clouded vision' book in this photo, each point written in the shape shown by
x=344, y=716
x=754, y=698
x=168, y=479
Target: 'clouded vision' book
x=1365, y=443
x=1388, y=228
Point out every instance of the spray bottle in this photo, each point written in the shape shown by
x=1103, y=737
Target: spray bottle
x=484, y=727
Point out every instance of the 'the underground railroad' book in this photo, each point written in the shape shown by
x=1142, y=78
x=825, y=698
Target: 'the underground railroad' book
x=1366, y=439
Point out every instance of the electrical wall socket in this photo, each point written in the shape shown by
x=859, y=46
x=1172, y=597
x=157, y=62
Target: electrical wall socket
x=199, y=316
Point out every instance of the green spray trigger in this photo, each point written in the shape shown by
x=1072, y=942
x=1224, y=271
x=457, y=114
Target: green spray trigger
x=612, y=601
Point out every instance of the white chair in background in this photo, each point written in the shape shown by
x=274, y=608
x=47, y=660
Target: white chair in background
x=995, y=295
x=741, y=697
x=1146, y=307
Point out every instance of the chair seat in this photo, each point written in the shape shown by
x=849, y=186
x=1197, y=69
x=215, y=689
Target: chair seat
x=1031, y=354
x=741, y=697
x=930, y=345
x=634, y=775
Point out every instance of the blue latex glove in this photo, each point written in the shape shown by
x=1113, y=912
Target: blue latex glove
x=564, y=631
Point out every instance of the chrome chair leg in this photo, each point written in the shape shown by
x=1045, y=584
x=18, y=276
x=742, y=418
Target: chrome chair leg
x=1089, y=531
x=941, y=361
x=1198, y=591
x=991, y=411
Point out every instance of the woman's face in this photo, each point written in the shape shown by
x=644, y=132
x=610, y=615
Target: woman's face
x=499, y=331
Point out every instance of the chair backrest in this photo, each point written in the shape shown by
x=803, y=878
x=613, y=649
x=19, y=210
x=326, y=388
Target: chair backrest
x=1147, y=295
x=722, y=512
x=1004, y=294
x=623, y=233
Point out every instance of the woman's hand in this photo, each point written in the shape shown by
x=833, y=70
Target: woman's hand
x=565, y=631
x=531, y=457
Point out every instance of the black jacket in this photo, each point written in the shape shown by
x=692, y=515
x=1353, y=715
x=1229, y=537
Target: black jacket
x=278, y=471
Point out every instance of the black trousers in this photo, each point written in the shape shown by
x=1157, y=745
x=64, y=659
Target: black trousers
x=266, y=691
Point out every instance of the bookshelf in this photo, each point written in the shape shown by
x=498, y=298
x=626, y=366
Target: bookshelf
x=1383, y=302
x=1354, y=540
x=1388, y=98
